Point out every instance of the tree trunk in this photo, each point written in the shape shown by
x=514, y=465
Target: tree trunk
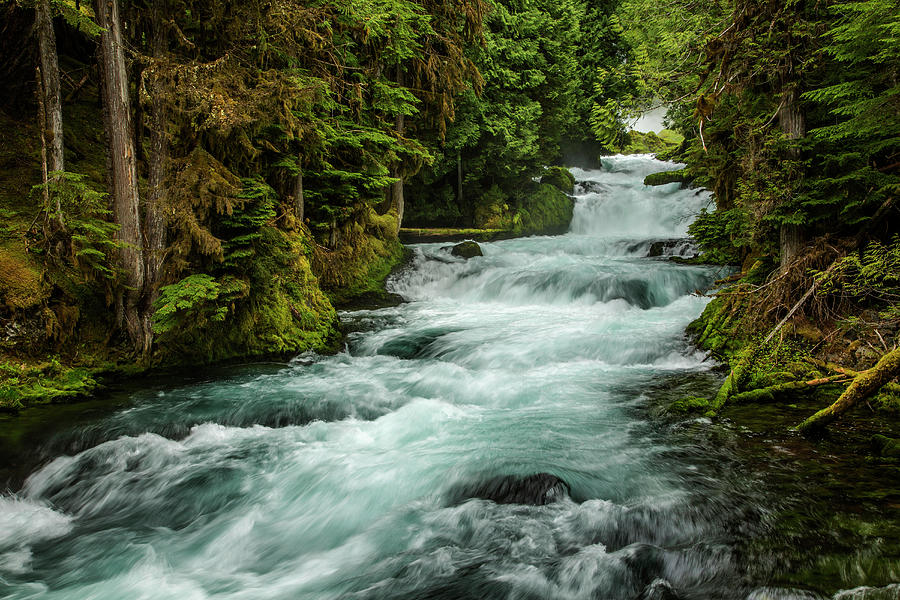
x=42, y=127
x=864, y=385
x=459, y=180
x=397, y=200
x=123, y=170
x=50, y=82
x=791, y=240
x=792, y=120
x=154, y=219
x=298, y=193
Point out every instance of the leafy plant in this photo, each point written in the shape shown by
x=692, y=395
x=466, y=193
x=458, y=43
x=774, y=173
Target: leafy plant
x=77, y=218
x=193, y=299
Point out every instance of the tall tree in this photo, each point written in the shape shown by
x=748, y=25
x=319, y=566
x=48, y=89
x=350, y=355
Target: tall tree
x=123, y=168
x=50, y=84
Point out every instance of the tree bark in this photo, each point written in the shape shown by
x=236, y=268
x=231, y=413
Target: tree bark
x=298, y=193
x=154, y=219
x=123, y=169
x=459, y=180
x=792, y=121
x=863, y=385
x=50, y=83
x=397, y=200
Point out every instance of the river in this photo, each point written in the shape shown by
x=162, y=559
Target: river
x=340, y=476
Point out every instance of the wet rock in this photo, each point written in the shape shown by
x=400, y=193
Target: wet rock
x=590, y=187
x=537, y=490
x=467, y=250
x=673, y=247
x=659, y=589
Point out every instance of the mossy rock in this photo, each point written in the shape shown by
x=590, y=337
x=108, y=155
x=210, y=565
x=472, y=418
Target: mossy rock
x=467, y=250
x=45, y=383
x=664, y=177
x=691, y=404
x=560, y=178
x=885, y=446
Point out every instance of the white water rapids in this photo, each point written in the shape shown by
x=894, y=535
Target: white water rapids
x=330, y=477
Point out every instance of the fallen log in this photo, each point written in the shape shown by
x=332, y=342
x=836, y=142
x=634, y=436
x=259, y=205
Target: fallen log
x=863, y=385
x=774, y=393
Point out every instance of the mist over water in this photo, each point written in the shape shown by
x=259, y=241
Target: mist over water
x=334, y=477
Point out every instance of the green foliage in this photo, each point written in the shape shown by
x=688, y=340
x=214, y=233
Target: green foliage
x=48, y=382
x=720, y=234
x=81, y=224
x=190, y=302
x=560, y=178
x=871, y=274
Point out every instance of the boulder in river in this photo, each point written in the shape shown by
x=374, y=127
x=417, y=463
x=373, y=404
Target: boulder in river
x=467, y=250
x=659, y=589
x=538, y=489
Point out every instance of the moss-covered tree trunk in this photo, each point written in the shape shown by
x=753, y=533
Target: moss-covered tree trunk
x=863, y=385
x=123, y=168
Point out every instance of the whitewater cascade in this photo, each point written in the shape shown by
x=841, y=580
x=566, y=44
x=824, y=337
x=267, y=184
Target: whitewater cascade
x=334, y=476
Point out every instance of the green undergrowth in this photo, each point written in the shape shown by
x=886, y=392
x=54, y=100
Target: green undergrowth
x=276, y=308
x=543, y=208
x=369, y=251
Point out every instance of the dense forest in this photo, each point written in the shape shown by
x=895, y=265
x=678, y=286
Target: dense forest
x=191, y=182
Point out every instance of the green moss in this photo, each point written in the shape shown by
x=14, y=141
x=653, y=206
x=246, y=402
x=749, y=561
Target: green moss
x=449, y=234
x=664, y=177
x=368, y=252
x=21, y=285
x=885, y=446
x=690, y=404
x=650, y=143
x=279, y=309
x=560, y=178
x=45, y=383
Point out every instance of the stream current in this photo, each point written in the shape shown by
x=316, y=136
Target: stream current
x=338, y=476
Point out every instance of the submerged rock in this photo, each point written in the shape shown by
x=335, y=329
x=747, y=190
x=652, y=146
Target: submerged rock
x=538, y=489
x=467, y=250
x=659, y=589
x=885, y=446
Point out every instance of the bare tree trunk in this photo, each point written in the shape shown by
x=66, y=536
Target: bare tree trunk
x=50, y=100
x=50, y=81
x=154, y=220
x=123, y=170
x=792, y=120
x=42, y=126
x=397, y=200
x=459, y=179
x=298, y=193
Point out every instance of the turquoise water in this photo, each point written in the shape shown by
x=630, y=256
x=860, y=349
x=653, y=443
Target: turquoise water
x=331, y=476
